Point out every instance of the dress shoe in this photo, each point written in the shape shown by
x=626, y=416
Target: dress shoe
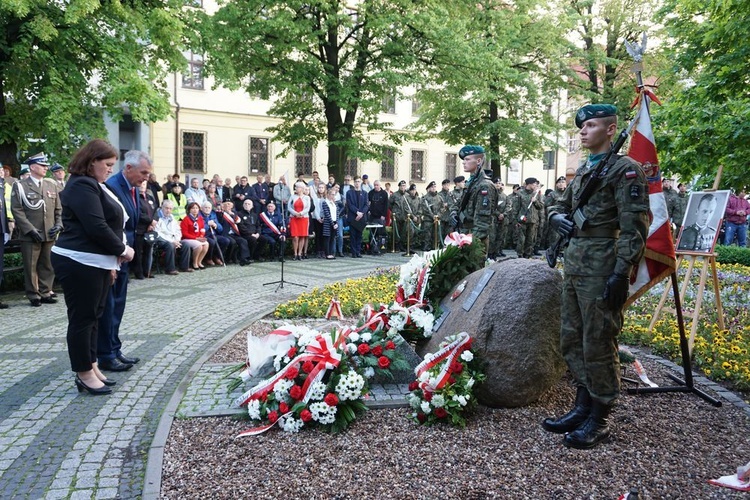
x=94, y=392
x=48, y=300
x=140, y=277
x=127, y=360
x=218, y=262
x=151, y=276
x=3, y=305
x=187, y=270
x=114, y=365
x=109, y=383
x=35, y=302
x=171, y=273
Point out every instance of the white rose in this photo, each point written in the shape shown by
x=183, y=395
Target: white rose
x=467, y=356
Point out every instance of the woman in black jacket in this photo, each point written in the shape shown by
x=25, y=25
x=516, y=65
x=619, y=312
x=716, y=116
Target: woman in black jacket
x=87, y=254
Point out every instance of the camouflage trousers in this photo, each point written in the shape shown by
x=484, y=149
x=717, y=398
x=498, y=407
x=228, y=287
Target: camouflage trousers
x=428, y=234
x=500, y=229
x=405, y=234
x=525, y=236
x=588, y=336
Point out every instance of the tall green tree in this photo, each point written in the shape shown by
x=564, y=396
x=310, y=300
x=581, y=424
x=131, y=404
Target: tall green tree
x=494, y=74
x=327, y=64
x=62, y=63
x=707, y=117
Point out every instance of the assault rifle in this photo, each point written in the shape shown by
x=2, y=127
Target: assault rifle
x=588, y=189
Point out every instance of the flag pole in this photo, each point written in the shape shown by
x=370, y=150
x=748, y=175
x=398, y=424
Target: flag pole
x=688, y=384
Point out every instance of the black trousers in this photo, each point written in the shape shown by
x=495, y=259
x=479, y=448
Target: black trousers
x=86, y=289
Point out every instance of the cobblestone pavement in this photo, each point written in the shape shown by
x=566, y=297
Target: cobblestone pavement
x=57, y=443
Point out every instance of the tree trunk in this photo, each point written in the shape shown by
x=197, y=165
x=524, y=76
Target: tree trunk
x=494, y=142
x=336, y=162
x=8, y=148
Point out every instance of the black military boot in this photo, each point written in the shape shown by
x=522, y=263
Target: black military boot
x=594, y=431
x=574, y=418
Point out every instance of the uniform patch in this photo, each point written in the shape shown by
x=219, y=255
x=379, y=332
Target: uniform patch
x=484, y=192
x=635, y=192
x=631, y=174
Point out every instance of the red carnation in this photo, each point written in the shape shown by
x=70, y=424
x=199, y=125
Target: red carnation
x=273, y=416
x=292, y=352
x=363, y=349
x=305, y=415
x=414, y=386
x=377, y=350
x=307, y=366
x=390, y=345
x=296, y=392
x=422, y=418
x=331, y=399
x=384, y=362
x=427, y=396
x=441, y=413
x=291, y=373
x=283, y=407
x=451, y=380
x=457, y=367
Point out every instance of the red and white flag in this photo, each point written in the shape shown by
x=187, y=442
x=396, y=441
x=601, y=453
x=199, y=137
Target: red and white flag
x=659, y=260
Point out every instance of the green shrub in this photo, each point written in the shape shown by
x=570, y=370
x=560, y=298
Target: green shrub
x=733, y=255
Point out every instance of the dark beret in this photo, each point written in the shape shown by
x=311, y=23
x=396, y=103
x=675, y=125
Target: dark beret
x=402, y=183
x=431, y=184
x=413, y=187
x=470, y=149
x=458, y=179
x=530, y=180
x=446, y=181
x=594, y=111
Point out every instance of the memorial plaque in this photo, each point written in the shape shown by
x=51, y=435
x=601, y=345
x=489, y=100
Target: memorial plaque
x=439, y=321
x=478, y=288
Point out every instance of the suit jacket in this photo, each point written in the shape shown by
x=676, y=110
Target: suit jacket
x=120, y=187
x=148, y=212
x=356, y=201
x=260, y=192
x=41, y=220
x=3, y=218
x=92, y=219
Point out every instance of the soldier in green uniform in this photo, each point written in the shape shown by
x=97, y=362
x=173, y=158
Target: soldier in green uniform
x=541, y=228
x=677, y=210
x=510, y=241
x=459, y=186
x=412, y=216
x=399, y=211
x=608, y=241
x=449, y=207
x=670, y=195
x=431, y=208
x=500, y=220
x=553, y=198
x=480, y=198
x=525, y=217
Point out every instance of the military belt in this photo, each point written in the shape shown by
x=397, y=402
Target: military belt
x=597, y=232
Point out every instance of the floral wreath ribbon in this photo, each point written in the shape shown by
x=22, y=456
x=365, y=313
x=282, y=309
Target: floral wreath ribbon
x=446, y=355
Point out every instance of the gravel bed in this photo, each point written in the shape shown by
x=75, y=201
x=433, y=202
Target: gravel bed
x=666, y=445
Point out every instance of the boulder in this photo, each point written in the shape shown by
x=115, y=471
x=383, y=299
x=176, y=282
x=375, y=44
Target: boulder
x=515, y=323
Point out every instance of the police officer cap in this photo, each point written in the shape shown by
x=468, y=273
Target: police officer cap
x=39, y=158
x=413, y=187
x=431, y=184
x=402, y=183
x=489, y=173
x=458, y=179
x=470, y=149
x=446, y=181
x=531, y=180
x=561, y=178
x=24, y=170
x=594, y=111
x=365, y=176
x=55, y=167
x=497, y=180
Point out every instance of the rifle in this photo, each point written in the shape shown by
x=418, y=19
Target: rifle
x=586, y=192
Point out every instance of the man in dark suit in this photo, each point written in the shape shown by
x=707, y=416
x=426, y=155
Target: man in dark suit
x=261, y=195
x=4, y=228
x=124, y=185
x=357, y=206
x=35, y=203
x=242, y=191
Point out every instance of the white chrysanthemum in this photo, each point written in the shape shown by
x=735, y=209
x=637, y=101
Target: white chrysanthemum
x=438, y=401
x=424, y=377
x=317, y=391
x=353, y=337
x=323, y=413
x=366, y=337
x=467, y=356
x=286, y=359
x=461, y=400
x=253, y=409
x=281, y=389
x=425, y=407
x=424, y=320
x=397, y=321
x=352, y=348
x=304, y=334
x=350, y=386
x=291, y=424
x=277, y=363
x=470, y=383
x=414, y=401
x=369, y=372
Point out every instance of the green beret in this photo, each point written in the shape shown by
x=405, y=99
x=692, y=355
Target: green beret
x=470, y=150
x=594, y=111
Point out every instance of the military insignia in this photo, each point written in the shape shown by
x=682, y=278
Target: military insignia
x=244, y=218
x=631, y=174
x=581, y=115
x=635, y=192
x=484, y=192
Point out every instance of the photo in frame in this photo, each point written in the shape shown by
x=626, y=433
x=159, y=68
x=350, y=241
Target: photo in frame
x=702, y=223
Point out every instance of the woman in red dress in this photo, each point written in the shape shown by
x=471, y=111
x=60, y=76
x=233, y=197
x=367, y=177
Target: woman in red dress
x=299, y=212
x=194, y=234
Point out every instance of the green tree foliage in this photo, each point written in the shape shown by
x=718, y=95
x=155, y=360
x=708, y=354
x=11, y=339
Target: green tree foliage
x=327, y=64
x=706, y=119
x=63, y=62
x=493, y=74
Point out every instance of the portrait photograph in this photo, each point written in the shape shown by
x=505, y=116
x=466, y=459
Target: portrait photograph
x=702, y=223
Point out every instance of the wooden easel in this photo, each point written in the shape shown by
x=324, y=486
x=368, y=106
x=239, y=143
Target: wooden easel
x=705, y=262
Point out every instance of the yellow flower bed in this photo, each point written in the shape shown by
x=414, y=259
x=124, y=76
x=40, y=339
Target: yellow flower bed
x=352, y=293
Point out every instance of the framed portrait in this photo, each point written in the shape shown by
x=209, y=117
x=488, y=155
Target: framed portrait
x=702, y=222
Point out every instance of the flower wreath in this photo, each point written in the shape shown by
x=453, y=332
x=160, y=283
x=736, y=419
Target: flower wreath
x=444, y=388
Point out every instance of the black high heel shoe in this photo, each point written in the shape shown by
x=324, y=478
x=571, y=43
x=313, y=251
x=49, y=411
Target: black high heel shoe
x=94, y=392
x=108, y=382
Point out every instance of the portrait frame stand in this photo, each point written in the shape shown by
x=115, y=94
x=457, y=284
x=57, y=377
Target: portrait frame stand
x=282, y=250
x=686, y=346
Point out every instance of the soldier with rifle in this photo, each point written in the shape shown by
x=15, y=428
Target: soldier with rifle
x=479, y=199
x=525, y=217
x=448, y=208
x=412, y=218
x=431, y=210
x=603, y=217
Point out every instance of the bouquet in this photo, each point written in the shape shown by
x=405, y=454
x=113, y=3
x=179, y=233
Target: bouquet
x=444, y=388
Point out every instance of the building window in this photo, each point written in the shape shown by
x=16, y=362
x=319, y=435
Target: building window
x=548, y=161
x=389, y=104
x=303, y=161
x=388, y=164
x=258, y=155
x=194, y=152
x=415, y=106
x=193, y=78
x=451, y=162
x=574, y=144
x=417, y=165
x=351, y=166
x=195, y=3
